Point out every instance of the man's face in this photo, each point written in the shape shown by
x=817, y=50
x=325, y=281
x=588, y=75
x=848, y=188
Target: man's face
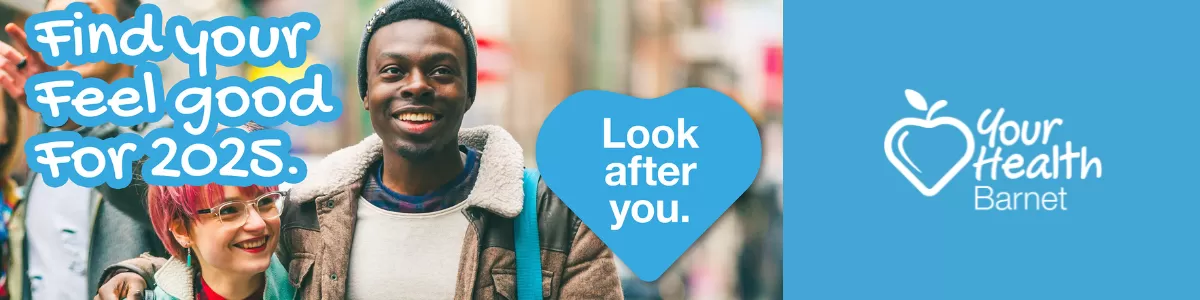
x=416, y=86
x=102, y=70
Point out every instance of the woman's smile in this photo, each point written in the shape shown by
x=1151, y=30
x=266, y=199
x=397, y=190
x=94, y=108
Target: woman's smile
x=254, y=245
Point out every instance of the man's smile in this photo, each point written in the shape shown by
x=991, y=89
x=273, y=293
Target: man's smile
x=416, y=120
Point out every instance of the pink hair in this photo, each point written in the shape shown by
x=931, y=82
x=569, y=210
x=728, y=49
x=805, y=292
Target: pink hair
x=170, y=203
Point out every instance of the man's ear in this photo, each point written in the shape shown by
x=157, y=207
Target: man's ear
x=470, y=101
x=180, y=231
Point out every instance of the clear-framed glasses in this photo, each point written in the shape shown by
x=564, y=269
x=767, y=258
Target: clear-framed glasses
x=235, y=214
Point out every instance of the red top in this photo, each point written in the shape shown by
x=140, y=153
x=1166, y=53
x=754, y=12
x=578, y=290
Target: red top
x=206, y=293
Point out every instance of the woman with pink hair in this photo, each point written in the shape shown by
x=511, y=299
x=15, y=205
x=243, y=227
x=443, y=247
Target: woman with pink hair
x=222, y=242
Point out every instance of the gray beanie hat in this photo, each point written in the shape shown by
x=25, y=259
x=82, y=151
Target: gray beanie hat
x=432, y=10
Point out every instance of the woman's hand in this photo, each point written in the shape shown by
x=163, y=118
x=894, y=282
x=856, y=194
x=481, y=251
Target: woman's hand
x=18, y=64
x=126, y=285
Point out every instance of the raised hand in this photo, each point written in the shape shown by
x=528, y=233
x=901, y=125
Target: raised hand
x=122, y=286
x=19, y=63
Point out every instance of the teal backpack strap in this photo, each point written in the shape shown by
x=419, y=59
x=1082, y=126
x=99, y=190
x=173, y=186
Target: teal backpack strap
x=529, y=253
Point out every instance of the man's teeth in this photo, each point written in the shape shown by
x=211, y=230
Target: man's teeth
x=416, y=117
x=252, y=244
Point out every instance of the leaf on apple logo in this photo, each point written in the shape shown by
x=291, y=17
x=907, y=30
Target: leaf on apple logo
x=936, y=106
x=916, y=100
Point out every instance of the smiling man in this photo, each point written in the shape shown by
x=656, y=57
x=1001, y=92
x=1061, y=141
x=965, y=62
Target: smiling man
x=424, y=209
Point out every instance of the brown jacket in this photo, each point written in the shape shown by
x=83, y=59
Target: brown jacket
x=319, y=216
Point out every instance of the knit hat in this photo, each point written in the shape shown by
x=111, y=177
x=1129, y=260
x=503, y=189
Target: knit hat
x=431, y=10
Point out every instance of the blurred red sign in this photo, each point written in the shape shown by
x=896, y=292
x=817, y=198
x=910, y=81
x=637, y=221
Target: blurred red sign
x=773, y=69
x=494, y=59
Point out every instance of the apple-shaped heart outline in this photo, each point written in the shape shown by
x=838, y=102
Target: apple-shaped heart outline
x=918, y=102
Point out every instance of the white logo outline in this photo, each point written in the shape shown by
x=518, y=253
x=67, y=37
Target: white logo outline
x=917, y=101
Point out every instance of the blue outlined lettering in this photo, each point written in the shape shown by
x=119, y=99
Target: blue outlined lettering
x=194, y=151
x=63, y=95
x=230, y=41
x=79, y=36
x=173, y=158
x=199, y=102
x=229, y=157
x=87, y=161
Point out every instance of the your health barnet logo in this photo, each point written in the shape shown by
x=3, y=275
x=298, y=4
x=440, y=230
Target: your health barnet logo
x=990, y=161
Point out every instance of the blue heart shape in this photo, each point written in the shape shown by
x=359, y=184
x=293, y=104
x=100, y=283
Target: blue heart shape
x=681, y=200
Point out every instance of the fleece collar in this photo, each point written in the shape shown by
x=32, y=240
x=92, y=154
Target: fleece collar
x=498, y=187
x=175, y=278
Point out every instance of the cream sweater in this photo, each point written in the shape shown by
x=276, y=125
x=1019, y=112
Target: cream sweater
x=406, y=256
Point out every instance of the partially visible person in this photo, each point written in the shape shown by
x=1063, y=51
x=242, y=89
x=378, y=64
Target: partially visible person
x=739, y=256
x=61, y=238
x=222, y=241
x=10, y=131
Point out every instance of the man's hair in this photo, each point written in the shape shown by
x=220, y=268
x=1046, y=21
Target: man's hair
x=125, y=8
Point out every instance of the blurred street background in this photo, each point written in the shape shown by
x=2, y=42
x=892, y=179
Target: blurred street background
x=533, y=54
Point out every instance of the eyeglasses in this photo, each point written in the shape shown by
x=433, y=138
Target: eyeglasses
x=235, y=214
